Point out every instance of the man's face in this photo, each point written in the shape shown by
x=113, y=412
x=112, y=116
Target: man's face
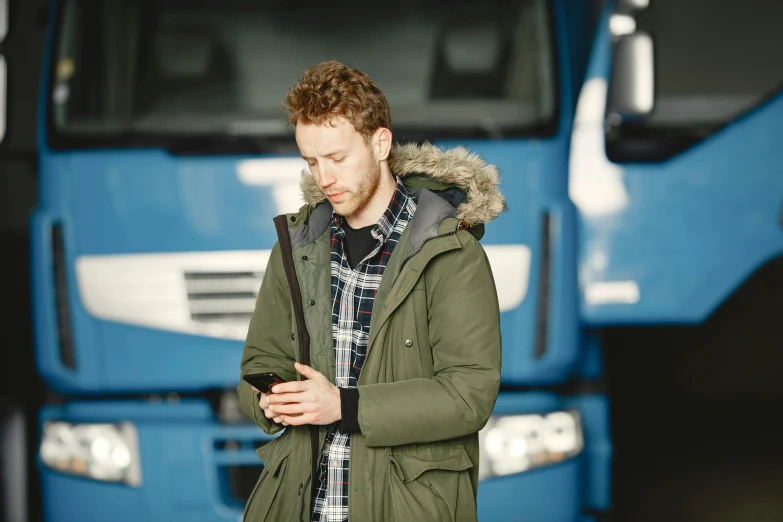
x=342, y=163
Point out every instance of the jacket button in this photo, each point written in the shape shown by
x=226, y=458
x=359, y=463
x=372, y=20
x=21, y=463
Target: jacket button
x=304, y=258
x=408, y=343
x=293, y=336
x=293, y=219
x=312, y=302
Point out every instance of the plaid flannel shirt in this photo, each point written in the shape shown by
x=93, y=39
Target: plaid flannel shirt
x=353, y=293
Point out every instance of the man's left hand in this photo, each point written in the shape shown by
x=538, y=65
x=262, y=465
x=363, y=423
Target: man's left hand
x=314, y=401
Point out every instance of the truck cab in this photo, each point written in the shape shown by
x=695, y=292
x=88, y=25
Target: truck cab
x=675, y=168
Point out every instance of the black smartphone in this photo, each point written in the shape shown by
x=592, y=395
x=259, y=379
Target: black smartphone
x=263, y=381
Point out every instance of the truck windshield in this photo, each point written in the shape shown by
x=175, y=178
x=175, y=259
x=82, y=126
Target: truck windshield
x=139, y=71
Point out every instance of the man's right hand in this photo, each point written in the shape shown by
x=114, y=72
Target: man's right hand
x=263, y=403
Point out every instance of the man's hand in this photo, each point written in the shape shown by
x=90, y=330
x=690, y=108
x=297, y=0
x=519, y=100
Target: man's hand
x=314, y=401
x=263, y=403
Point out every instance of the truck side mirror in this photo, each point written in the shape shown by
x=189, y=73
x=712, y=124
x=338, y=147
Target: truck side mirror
x=632, y=92
x=3, y=78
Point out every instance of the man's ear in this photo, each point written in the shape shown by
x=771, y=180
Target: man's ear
x=382, y=144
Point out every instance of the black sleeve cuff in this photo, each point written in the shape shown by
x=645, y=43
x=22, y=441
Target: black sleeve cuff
x=349, y=403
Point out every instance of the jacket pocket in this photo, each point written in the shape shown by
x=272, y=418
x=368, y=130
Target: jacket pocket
x=430, y=484
x=267, y=497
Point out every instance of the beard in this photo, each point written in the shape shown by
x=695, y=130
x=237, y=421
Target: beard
x=358, y=197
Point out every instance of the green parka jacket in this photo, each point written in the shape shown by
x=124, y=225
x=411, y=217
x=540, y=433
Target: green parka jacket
x=432, y=372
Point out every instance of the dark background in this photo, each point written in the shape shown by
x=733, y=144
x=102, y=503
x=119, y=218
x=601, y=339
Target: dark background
x=19, y=383
x=22, y=49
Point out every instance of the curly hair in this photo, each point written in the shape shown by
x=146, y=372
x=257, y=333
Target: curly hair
x=331, y=89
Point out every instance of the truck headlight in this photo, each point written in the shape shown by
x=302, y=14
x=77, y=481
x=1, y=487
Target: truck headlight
x=108, y=452
x=516, y=443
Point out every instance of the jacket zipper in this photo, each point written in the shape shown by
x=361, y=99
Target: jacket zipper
x=302, y=490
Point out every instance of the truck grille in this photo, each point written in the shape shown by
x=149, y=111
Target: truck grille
x=222, y=297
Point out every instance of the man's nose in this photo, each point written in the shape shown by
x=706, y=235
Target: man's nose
x=325, y=176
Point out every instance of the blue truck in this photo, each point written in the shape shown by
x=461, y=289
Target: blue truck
x=163, y=157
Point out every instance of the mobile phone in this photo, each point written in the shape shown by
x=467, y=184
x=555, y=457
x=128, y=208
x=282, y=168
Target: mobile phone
x=263, y=381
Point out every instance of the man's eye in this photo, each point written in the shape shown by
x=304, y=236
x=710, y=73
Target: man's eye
x=339, y=160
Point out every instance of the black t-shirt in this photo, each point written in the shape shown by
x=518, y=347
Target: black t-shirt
x=358, y=243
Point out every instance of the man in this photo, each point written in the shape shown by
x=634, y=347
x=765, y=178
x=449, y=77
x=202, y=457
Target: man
x=396, y=298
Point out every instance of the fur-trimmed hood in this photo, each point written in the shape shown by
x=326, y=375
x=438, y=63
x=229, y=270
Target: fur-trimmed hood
x=478, y=198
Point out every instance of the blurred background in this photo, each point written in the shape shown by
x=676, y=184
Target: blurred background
x=639, y=267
